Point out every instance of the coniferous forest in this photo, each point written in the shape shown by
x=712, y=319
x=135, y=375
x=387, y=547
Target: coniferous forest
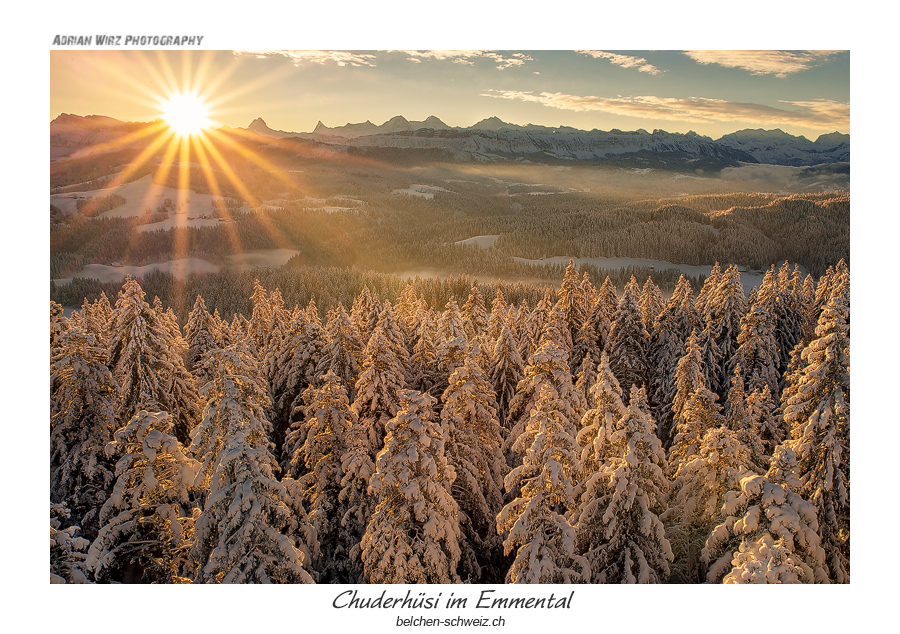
x=593, y=432
x=451, y=317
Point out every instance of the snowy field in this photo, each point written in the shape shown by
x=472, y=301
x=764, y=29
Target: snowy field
x=143, y=194
x=263, y=258
x=483, y=242
x=424, y=191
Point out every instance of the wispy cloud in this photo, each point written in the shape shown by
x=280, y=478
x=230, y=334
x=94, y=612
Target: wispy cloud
x=468, y=58
x=778, y=63
x=341, y=58
x=625, y=61
x=821, y=113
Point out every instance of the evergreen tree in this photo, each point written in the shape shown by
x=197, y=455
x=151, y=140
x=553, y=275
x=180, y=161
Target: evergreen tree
x=708, y=291
x=354, y=497
x=147, y=363
x=763, y=423
x=688, y=377
x=474, y=315
x=506, y=371
x=599, y=423
x=262, y=319
x=146, y=526
x=365, y=313
x=757, y=350
x=292, y=366
x=83, y=397
x=383, y=373
x=201, y=336
x=343, y=350
x=329, y=421
x=628, y=341
x=497, y=317
x=249, y=530
x=739, y=420
x=535, y=521
x=768, y=535
x=244, y=533
x=424, y=371
x=720, y=463
x=671, y=329
x=548, y=365
x=58, y=323
x=473, y=449
x=413, y=533
x=618, y=526
x=234, y=395
x=701, y=413
x=651, y=303
x=819, y=415
x=68, y=551
x=724, y=312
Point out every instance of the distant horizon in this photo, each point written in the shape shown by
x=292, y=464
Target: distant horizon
x=472, y=126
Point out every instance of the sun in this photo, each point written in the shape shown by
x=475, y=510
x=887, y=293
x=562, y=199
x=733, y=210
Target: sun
x=186, y=113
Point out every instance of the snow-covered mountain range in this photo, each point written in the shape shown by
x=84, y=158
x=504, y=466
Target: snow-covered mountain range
x=493, y=139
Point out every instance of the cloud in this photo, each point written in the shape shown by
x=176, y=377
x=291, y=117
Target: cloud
x=821, y=113
x=778, y=63
x=625, y=61
x=467, y=57
x=341, y=58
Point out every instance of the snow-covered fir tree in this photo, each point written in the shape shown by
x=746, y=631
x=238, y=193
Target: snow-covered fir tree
x=329, y=422
x=474, y=315
x=698, y=493
x=757, y=351
x=343, y=349
x=535, y=523
x=147, y=524
x=234, y=392
x=763, y=424
x=701, y=413
x=618, y=525
x=599, y=423
x=628, y=340
x=768, y=535
x=249, y=530
x=146, y=361
x=818, y=413
x=688, y=376
x=201, y=335
x=473, y=449
x=548, y=365
x=383, y=374
x=413, y=533
x=651, y=303
x=68, y=551
x=365, y=312
x=262, y=320
x=671, y=329
x=83, y=397
x=506, y=371
x=424, y=371
x=292, y=365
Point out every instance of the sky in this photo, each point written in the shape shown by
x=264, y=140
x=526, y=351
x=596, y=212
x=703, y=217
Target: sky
x=710, y=92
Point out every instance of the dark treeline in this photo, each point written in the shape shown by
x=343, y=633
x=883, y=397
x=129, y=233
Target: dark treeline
x=442, y=431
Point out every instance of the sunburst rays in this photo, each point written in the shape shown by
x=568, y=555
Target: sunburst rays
x=185, y=137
